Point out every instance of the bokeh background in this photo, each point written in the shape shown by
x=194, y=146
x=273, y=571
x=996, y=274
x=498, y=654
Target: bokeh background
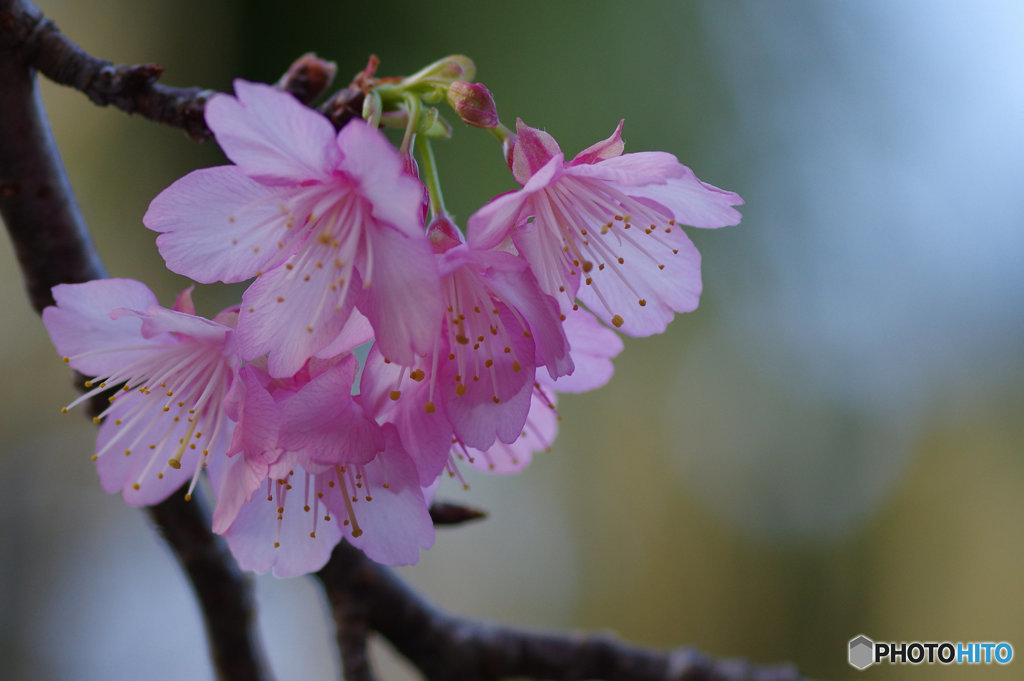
x=831, y=445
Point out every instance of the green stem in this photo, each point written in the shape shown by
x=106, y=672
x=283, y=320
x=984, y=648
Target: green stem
x=412, y=106
x=429, y=175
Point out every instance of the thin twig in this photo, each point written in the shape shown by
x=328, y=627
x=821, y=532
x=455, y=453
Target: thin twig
x=448, y=648
x=39, y=44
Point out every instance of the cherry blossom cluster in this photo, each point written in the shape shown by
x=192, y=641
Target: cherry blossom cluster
x=349, y=245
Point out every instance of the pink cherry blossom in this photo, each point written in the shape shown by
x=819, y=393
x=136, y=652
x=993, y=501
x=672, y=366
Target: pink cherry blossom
x=606, y=227
x=475, y=386
x=177, y=370
x=310, y=468
x=325, y=221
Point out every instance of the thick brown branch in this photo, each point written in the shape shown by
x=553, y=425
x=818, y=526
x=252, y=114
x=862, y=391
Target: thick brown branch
x=224, y=593
x=448, y=648
x=36, y=201
x=53, y=247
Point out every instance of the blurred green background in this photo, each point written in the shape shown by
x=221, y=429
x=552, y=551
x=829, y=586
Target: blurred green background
x=831, y=445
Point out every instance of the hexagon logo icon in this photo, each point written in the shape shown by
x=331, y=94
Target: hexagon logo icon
x=862, y=652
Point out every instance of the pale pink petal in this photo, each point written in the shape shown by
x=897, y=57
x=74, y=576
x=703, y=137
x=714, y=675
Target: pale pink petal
x=183, y=303
x=592, y=346
x=633, y=170
x=389, y=392
x=396, y=523
x=376, y=167
x=157, y=321
x=80, y=323
x=692, y=202
x=323, y=421
x=271, y=136
x=488, y=227
x=521, y=292
x=603, y=150
x=216, y=224
x=494, y=401
x=259, y=419
x=290, y=318
x=292, y=542
x=538, y=434
x=235, y=481
x=401, y=295
x=356, y=331
x=542, y=247
x=661, y=281
x=126, y=462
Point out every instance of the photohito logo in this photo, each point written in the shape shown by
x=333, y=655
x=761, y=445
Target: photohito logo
x=864, y=652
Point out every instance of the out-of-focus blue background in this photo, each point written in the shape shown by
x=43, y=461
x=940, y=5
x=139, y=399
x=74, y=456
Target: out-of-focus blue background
x=831, y=445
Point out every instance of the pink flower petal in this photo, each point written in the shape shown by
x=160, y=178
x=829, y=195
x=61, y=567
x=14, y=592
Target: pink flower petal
x=521, y=292
x=532, y=150
x=592, y=346
x=294, y=541
x=157, y=321
x=603, y=150
x=494, y=401
x=324, y=423
x=259, y=421
x=490, y=225
x=235, y=481
x=661, y=281
x=538, y=434
x=271, y=136
x=126, y=462
x=80, y=323
x=402, y=294
x=400, y=395
x=216, y=224
x=291, y=318
x=372, y=162
x=694, y=203
x=396, y=524
x=356, y=331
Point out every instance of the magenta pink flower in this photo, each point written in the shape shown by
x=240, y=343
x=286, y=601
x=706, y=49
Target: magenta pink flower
x=324, y=221
x=177, y=370
x=307, y=468
x=606, y=227
x=475, y=386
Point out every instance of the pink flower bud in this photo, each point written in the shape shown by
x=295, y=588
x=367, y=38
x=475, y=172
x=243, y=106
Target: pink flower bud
x=474, y=104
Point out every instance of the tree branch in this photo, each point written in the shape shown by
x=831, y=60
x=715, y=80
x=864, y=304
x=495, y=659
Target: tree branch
x=224, y=593
x=53, y=247
x=36, y=202
x=448, y=648
x=39, y=44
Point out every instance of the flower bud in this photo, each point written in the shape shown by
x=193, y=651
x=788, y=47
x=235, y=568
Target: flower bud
x=443, y=234
x=442, y=73
x=474, y=104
